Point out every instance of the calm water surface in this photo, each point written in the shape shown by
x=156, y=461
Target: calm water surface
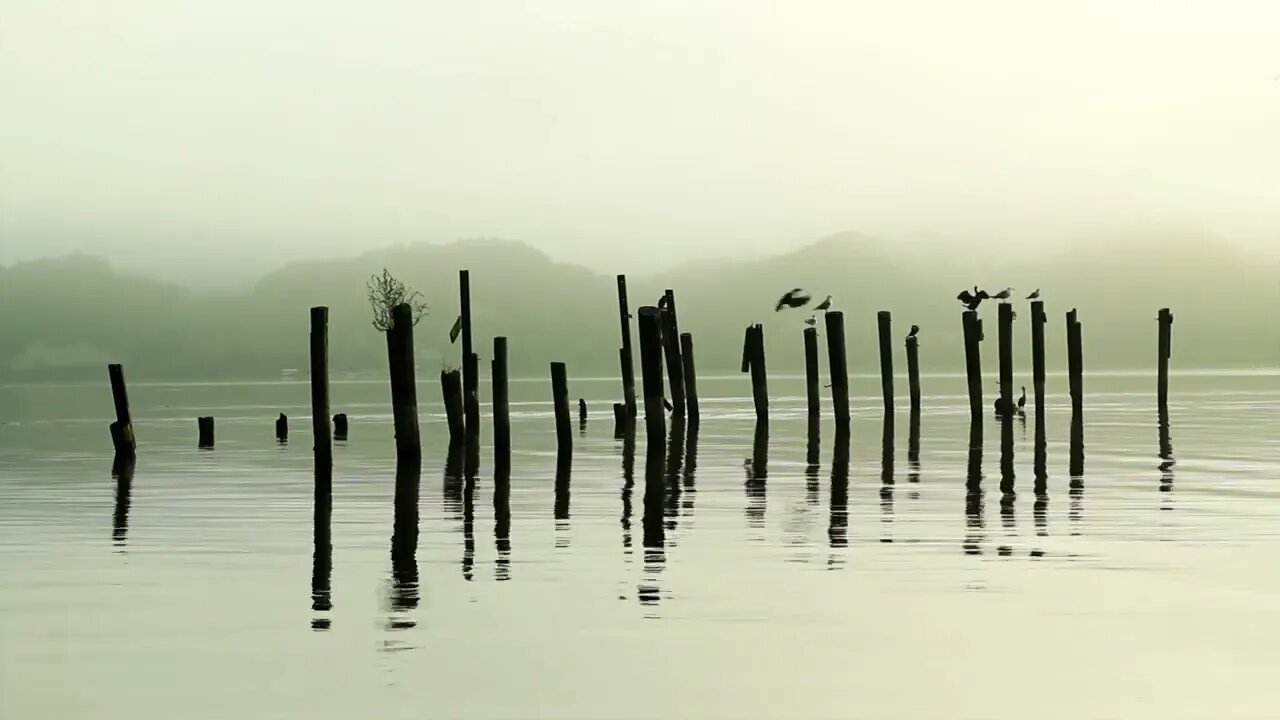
x=705, y=579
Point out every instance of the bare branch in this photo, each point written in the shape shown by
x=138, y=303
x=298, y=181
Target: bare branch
x=385, y=293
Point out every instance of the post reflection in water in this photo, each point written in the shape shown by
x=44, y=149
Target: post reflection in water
x=654, y=534
x=502, y=522
x=838, y=525
x=913, y=450
x=628, y=484
x=973, y=503
x=1075, y=492
x=1166, y=457
x=564, y=465
x=403, y=595
x=886, y=477
x=813, y=446
x=122, y=471
x=675, y=463
x=690, y=468
x=451, y=492
x=1041, y=456
x=757, y=470
x=468, y=527
x=322, y=554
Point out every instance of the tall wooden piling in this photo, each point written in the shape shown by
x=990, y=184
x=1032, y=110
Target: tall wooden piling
x=501, y=406
x=404, y=387
x=340, y=426
x=1005, y=339
x=690, y=377
x=323, y=441
x=560, y=400
x=1164, y=351
x=648, y=320
x=838, y=367
x=884, y=321
x=671, y=353
x=122, y=429
x=1037, y=354
x=811, y=382
x=470, y=383
x=1075, y=362
x=753, y=361
x=204, y=425
x=973, y=363
x=625, y=356
x=282, y=429
x=620, y=419
x=913, y=373
x=451, y=392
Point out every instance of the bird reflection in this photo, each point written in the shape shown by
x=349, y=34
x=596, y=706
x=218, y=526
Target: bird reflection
x=122, y=471
x=322, y=554
x=886, y=476
x=1166, y=454
x=564, y=463
x=838, y=525
x=403, y=595
x=502, y=522
x=757, y=472
x=654, y=533
x=812, y=449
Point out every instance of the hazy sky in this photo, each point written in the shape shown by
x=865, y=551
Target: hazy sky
x=240, y=131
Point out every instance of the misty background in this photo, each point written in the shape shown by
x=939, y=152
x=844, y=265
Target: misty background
x=181, y=180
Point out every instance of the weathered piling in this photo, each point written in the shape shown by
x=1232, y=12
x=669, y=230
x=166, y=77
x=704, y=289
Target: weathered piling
x=560, y=400
x=811, y=382
x=1005, y=340
x=884, y=320
x=1038, y=319
x=501, y=405
x=582, y=412
x=451, y=391
x=323, y=441
x=122, y=429
x=625, y=356
x=690, y=377
x=650, y=334
x=404, y=388
x=973, y=363
x=340, y=426
x=1075, y=362
x=282, y=429
x=1164, y=351
x=204, y=425
x=913, y=372
x=838, y=367
x=470, y=383
x=753, y=361
x=671, y=353
x=620, y=419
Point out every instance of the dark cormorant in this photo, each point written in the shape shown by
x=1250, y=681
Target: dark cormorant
x=915, y=330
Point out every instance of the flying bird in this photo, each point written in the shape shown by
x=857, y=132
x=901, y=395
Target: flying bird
x=825, y=304
x=453, y=331
x=793, y=299
x=1035, y=295
x=915, y=330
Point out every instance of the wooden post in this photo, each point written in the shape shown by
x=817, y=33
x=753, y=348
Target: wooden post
x=451, y=389
x=753, y=360
x=1005, y=340
x=501, y=406
x=560, y=399
x=885, y=322
x=625, y=356
x=205, y=426
x=620, y=419
x=470, y=383
x=404, y=388
x=651, y=373
x=811, y=372
x=122, y=429
x=838, y=367
x=671, y=351
x=1075, y=362
x=323, y=441
x=913, y=373
x=282, y=429
x=340, y=426
x=690, y=376
x=582, y=414
x=1037, y=354
x=1164, y=351
x=973, y=363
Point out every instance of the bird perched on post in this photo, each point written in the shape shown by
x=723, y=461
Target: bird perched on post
x=811, y=320
x=664, y=302
x=915, y=330
x=793, y=299
x=972, y=300
x=824, y=305
x=1035, y=295
x=1003, y=295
